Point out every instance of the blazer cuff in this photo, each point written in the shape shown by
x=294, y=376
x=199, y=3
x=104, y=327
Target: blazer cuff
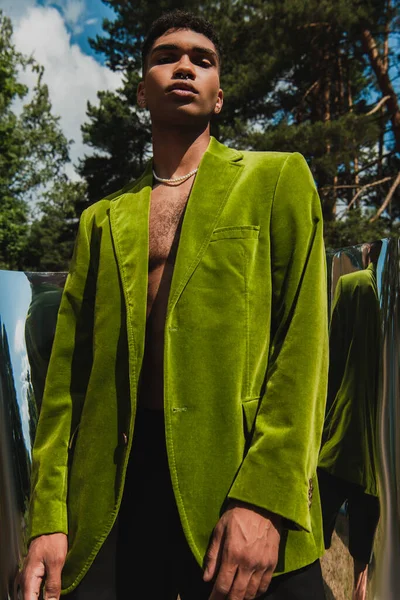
x=48, y=509
x=273, y=491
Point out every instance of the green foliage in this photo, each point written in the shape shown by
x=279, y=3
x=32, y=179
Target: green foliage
x=296, y=77
x=122, y=45
x=356, y=229
x=13, y=230
x=52, y=234
x=12, y=210
x=45, y=150
x=33, y=149
x=121, y=134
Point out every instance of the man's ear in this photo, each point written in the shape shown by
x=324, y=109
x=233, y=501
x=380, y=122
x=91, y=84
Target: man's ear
x=219, y=103
x=141, y=95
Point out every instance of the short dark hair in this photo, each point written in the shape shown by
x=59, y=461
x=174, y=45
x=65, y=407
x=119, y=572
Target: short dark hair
x=179, y=19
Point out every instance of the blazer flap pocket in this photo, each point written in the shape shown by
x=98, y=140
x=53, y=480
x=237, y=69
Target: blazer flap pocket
x=233, y=232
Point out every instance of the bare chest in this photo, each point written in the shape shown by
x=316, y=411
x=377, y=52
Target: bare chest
x=166, y=214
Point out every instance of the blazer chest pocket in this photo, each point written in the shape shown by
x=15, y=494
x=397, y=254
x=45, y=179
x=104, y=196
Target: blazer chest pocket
x=216, y=297
x=235, y=232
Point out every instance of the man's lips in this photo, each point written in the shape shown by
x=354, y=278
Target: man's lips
x=182, y=89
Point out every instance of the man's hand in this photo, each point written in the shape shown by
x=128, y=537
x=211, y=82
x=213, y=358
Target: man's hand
x=45, y=560
x=243, y=552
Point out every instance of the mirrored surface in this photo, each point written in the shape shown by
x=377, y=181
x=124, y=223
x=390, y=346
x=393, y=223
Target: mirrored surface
x=28, y=313
x=359, y=465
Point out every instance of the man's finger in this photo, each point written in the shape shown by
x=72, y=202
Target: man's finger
x=224, y=581
x=212, y=554
x=31, y=580
x=253, y=588
x=239, y=587
x=52, y=588
x=265, y=581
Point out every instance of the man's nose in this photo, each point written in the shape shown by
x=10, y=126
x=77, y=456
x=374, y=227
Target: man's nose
x=184, y=67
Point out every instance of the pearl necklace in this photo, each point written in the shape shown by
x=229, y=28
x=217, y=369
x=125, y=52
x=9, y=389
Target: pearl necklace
x=175, y=180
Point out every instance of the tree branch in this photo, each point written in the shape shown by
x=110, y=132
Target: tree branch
x=373, y=162
x=310, y=89
x=384, y=82
x=386, y=42
x=364, y=187
x=378, y=106
x=338, y=187
x=388, y=198
x=321, y=24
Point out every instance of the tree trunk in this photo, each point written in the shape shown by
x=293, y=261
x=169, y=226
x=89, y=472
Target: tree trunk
x=384, y=82
x=329, y=204
x=355, y=159
x=380, y=146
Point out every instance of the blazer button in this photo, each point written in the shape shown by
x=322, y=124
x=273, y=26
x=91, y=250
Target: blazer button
x=124, y=439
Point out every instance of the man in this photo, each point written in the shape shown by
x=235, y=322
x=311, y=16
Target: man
x=191, y=343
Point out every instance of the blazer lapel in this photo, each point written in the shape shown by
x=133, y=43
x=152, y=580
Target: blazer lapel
x=217, y=174
x=129, y=218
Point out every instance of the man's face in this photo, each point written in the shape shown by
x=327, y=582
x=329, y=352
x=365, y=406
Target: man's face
x=181, y=81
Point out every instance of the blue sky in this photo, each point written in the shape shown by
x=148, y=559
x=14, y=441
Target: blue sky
x=89, y=24
x=83, y=18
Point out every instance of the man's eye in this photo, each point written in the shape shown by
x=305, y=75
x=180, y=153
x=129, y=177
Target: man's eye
x=203, y=62
x=164, y=59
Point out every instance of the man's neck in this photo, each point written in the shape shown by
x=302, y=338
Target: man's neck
x=176, y=153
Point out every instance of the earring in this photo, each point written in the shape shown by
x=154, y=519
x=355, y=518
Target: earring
x=142, y=102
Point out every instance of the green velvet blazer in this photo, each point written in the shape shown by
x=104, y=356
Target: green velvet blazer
x=246, y=349
x=349, y=449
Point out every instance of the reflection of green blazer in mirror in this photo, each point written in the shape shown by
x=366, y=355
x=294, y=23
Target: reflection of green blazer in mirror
x=349, y=437
x=245, y=358
x=39, y=333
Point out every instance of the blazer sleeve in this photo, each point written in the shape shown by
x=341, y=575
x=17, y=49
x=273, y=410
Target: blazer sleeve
x=278, y=471
x=65, y=389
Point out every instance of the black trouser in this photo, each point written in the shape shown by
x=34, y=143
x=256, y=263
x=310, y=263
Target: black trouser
x=146, y=556
x=363, y=512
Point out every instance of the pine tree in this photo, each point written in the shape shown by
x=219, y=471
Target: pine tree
x=120, y=134
x=298, y=75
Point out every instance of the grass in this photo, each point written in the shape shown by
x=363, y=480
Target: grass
x=337, y=566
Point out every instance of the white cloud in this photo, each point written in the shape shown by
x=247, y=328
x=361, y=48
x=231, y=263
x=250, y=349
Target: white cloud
x=73, y=77
x=19, y=336
x=73, y=11
x=23, y=398
x=15, y=9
